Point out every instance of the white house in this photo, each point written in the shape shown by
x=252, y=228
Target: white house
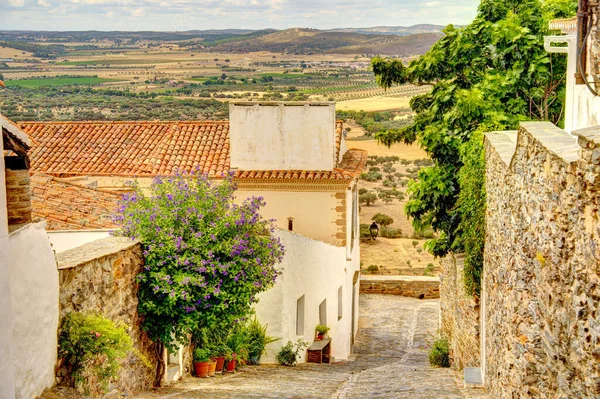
x=292, y=154
x=28, y=279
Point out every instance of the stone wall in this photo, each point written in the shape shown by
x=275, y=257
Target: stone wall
x=421, y=287
x=101, y=277
x=459, y=321
x=541, y=284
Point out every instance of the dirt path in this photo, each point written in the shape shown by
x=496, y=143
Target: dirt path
x=390, y=361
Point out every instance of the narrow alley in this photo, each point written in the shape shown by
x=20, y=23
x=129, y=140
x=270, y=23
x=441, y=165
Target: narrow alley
x=389, y=361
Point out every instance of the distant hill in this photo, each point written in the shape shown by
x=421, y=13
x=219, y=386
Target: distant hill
x=393, y=30
x=309, y=41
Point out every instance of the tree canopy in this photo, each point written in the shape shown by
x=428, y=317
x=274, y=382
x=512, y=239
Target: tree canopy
x=488, y=75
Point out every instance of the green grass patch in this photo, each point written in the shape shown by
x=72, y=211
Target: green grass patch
x=59, y=81
x=333, y=89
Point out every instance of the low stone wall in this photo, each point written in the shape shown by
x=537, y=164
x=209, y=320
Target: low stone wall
x=541, y=285
x=459, y=321
x=421, y=287
x=101, y=277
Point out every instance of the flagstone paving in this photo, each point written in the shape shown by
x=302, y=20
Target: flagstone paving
x=389, y=361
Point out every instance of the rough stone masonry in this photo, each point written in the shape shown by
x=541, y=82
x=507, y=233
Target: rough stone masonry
x=541, y=284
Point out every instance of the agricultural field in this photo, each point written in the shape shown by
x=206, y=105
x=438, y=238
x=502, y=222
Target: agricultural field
x=386, y=178
x=59, y=81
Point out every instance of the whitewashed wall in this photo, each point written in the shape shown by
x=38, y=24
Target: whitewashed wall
x=313, y=212
x=282, y=136
x=63, y=240
x=316, y=270
x=7, y=376
x=33, y=280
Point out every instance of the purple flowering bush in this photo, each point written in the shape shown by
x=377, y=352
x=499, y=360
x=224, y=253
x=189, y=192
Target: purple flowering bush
x=206, y=257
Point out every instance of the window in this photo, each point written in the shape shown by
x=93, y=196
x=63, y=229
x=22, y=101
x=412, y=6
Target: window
x=323, y=312
x=300, y=316
x=340, y=302
x=291, y=224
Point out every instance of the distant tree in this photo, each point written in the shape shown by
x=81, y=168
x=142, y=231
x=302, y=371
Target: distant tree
x=382, y=219
x=368, y=198
x=224, y=76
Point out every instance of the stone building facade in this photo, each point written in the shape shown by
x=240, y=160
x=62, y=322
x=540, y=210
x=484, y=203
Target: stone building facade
x=541, y=283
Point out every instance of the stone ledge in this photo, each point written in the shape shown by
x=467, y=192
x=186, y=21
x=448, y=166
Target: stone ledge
x=421, y=287
x=553, y=138
x=505, y=143
x=588, y=137
x=93, y=250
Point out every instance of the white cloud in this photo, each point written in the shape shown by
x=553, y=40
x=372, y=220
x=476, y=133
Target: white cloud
x=221, y=14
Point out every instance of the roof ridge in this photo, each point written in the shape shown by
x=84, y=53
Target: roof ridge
x=69, y=183
x=122, y=122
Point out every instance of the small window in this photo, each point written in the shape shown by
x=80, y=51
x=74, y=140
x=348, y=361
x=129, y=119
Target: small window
x=323, y=312
x=340, y=302
x=300, y=316
x=291, y=224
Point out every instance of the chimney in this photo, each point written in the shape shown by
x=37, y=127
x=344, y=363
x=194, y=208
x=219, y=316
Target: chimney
x=18, y=197
x=282, y=135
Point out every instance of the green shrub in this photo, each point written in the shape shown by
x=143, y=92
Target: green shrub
x=288, y=355
x=91, y=346
x=257, y=340
x=201, y=355
x=382, y=219
x=362, y=191
x=365, y=232
x=371, y=176
x=390, y=232
x=439, y=354
x=374, y=169
x=322, y=329
x=389, y=168
x=373, y=268
x=415, y=243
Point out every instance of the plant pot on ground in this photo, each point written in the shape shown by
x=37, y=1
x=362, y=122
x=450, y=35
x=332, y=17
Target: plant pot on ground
x=212, y=367
x=201, y=362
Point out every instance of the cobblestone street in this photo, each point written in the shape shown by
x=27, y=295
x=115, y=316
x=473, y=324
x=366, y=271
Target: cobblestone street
x=389, y=361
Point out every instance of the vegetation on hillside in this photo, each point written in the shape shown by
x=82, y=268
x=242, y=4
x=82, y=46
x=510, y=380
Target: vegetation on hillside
x=487, y=76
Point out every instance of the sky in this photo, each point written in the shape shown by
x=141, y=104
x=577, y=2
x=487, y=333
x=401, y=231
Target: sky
x=180, y=15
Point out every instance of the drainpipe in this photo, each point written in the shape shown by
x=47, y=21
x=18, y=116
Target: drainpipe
x=582, y=27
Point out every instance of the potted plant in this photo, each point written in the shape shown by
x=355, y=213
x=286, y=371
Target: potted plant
x=236, y=342
x=221, y=352
x=230, y=359
x=257, y=340
x=201, y=362
x=321, y=331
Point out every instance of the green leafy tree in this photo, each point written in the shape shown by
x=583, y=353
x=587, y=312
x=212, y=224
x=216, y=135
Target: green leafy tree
x=382, y=219
x=367, y=199
x=486, y=76
x=206, y=257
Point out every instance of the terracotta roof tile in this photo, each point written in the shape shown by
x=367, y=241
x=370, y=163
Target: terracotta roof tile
x=153, y=148
x=69, y=206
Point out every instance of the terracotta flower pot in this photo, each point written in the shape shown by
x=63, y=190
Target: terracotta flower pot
x=220, y=363
x=201, y=369
x=212, y=366
x=231, y=366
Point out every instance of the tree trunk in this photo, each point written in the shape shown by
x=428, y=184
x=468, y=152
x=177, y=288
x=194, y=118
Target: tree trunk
x=160, y=366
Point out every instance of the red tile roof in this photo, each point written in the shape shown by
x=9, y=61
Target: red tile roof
x=69, y=206
x=153, y=148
